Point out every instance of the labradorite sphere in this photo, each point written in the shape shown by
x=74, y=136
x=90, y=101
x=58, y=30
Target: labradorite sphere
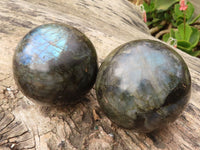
x=55, y=64
x=143, y=85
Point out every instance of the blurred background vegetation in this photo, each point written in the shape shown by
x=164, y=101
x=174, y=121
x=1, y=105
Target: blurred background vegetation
x=174, y=21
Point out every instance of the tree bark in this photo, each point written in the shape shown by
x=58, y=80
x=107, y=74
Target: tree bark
x=108, y=24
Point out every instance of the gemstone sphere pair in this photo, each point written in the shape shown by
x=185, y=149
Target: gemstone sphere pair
x=141, y=85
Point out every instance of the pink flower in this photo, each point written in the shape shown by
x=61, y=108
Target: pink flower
x=144, y=16
x=183, y=5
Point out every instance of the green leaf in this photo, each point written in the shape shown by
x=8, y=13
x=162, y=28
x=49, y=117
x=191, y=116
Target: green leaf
x=167, y=16
x=191, y=35
x=150, y=16
x=184, y=45
x=179, y=21
x=172, y=33
x=195, y=53
x=195, y=19
x=166, y=37
x=173, y=23
x=155, y=20
x=148, y=23
x=163, y=5
x=189, y=11
x=183, y=33
x=149, y=7
x=194, y=38
x=177, y=13
x=160, y=15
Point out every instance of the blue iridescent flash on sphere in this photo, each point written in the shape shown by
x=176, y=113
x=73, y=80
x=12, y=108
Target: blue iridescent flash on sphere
x=55, y=64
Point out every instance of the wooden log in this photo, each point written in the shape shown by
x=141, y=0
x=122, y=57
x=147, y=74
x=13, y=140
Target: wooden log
x=25, y=125
x=196, y=7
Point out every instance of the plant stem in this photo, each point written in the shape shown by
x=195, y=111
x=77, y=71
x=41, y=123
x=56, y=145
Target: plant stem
x=159, y=34
x=157, y=28
x=196, y=23
x=184, y=23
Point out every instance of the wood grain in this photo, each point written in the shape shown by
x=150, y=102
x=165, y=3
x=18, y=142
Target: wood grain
x=25, y=125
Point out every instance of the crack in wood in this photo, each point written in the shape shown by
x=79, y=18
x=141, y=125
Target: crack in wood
x=2, y=115
x=134, y=141
x=5, y=123
x=5, y=77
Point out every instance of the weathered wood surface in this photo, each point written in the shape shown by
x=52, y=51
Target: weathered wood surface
x=196, y=6
x=108, y=23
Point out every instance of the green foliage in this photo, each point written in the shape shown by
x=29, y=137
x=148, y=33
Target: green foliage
x=187, y=37
x=149, y=7
x=163, y=5
x=179, y=15
x=158, y=10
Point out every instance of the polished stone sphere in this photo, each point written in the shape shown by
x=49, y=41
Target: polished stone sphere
x=55, y=64
x=143, y=85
